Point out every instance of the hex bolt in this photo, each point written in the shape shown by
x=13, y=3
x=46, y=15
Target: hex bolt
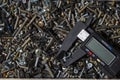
x=81, y=73
x=29, y=5
x=23, y=11
x=26, y=41
x=16, y=23
x=31, y=21
x=47, y=67
x=103, y=19
x=26, y=19
x=44, y=20
x=84, y=7
x=38, y=52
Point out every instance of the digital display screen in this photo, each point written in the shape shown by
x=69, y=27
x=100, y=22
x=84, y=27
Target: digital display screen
x=99, y=50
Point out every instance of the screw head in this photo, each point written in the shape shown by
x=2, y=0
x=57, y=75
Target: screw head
x=38, y=52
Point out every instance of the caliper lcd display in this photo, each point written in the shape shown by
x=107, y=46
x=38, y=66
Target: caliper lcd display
x=100, y=51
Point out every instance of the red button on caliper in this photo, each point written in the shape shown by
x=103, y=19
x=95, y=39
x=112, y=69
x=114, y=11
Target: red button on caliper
x=89, y=52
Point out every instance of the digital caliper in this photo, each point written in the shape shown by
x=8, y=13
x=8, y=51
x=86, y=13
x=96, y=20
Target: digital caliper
x=92, y=44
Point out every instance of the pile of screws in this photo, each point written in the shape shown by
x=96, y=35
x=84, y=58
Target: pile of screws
x=32, y=31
